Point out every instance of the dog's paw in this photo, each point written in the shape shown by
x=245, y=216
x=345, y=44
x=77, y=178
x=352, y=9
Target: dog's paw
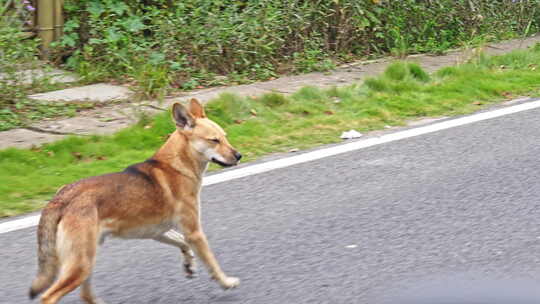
x=189, y=269
x=230, y=282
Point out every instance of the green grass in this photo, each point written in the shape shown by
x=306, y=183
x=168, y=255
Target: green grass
x=275, y=123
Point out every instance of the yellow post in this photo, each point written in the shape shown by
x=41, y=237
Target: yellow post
x=45, y=17
x=58, y=19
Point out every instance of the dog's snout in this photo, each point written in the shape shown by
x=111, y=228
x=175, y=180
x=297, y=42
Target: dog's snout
x=237, y=155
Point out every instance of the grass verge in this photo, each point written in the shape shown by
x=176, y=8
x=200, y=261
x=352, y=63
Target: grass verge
x=274, y=122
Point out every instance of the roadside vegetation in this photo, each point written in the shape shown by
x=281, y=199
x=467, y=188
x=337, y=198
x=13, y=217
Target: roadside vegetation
x=18, y=53
x=276, y=123
x=161, y=46
x=184, y=44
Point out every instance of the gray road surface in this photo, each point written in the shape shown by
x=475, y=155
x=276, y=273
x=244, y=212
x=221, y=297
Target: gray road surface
x=353, y=228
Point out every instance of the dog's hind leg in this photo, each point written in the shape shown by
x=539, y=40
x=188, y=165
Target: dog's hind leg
x=77, y=245
x=175, y=238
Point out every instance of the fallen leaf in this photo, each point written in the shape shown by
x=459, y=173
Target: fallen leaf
x=329, y=112
x=253, y=112
x=477, y=103
x=238, y=121
x=101, y=158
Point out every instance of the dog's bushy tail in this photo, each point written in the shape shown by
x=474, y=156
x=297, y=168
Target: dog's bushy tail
x=47, y=254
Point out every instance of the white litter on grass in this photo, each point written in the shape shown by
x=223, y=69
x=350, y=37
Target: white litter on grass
x=350, y=134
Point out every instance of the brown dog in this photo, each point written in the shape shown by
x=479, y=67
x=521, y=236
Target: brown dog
x=152, y=200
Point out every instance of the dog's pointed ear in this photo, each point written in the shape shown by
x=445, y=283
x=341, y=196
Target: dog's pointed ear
x=181, y=117
x=196, y=108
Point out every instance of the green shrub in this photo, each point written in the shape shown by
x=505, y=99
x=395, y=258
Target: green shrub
x=195, y=40
x=16, y=53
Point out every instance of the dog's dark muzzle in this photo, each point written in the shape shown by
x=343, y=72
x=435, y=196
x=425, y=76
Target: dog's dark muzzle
x=223, y=164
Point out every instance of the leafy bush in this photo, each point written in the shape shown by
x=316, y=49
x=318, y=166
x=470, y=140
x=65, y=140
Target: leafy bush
x=21, y=73
x=16, y=52
x=158, y=44
x=195, y=40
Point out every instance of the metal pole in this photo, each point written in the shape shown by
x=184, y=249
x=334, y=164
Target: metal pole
x=45, y=13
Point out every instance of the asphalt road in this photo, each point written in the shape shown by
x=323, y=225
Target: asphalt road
x=359, y=227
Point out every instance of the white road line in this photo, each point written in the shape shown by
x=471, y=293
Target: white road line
x=31, y=221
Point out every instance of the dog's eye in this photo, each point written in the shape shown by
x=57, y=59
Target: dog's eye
x=215, y=140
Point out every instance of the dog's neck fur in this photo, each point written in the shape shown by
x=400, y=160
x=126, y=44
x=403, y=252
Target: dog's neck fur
x=178, y=153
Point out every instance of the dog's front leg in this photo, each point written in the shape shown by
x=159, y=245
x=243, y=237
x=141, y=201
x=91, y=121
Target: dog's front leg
x=195, y=237
x=175, y=238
